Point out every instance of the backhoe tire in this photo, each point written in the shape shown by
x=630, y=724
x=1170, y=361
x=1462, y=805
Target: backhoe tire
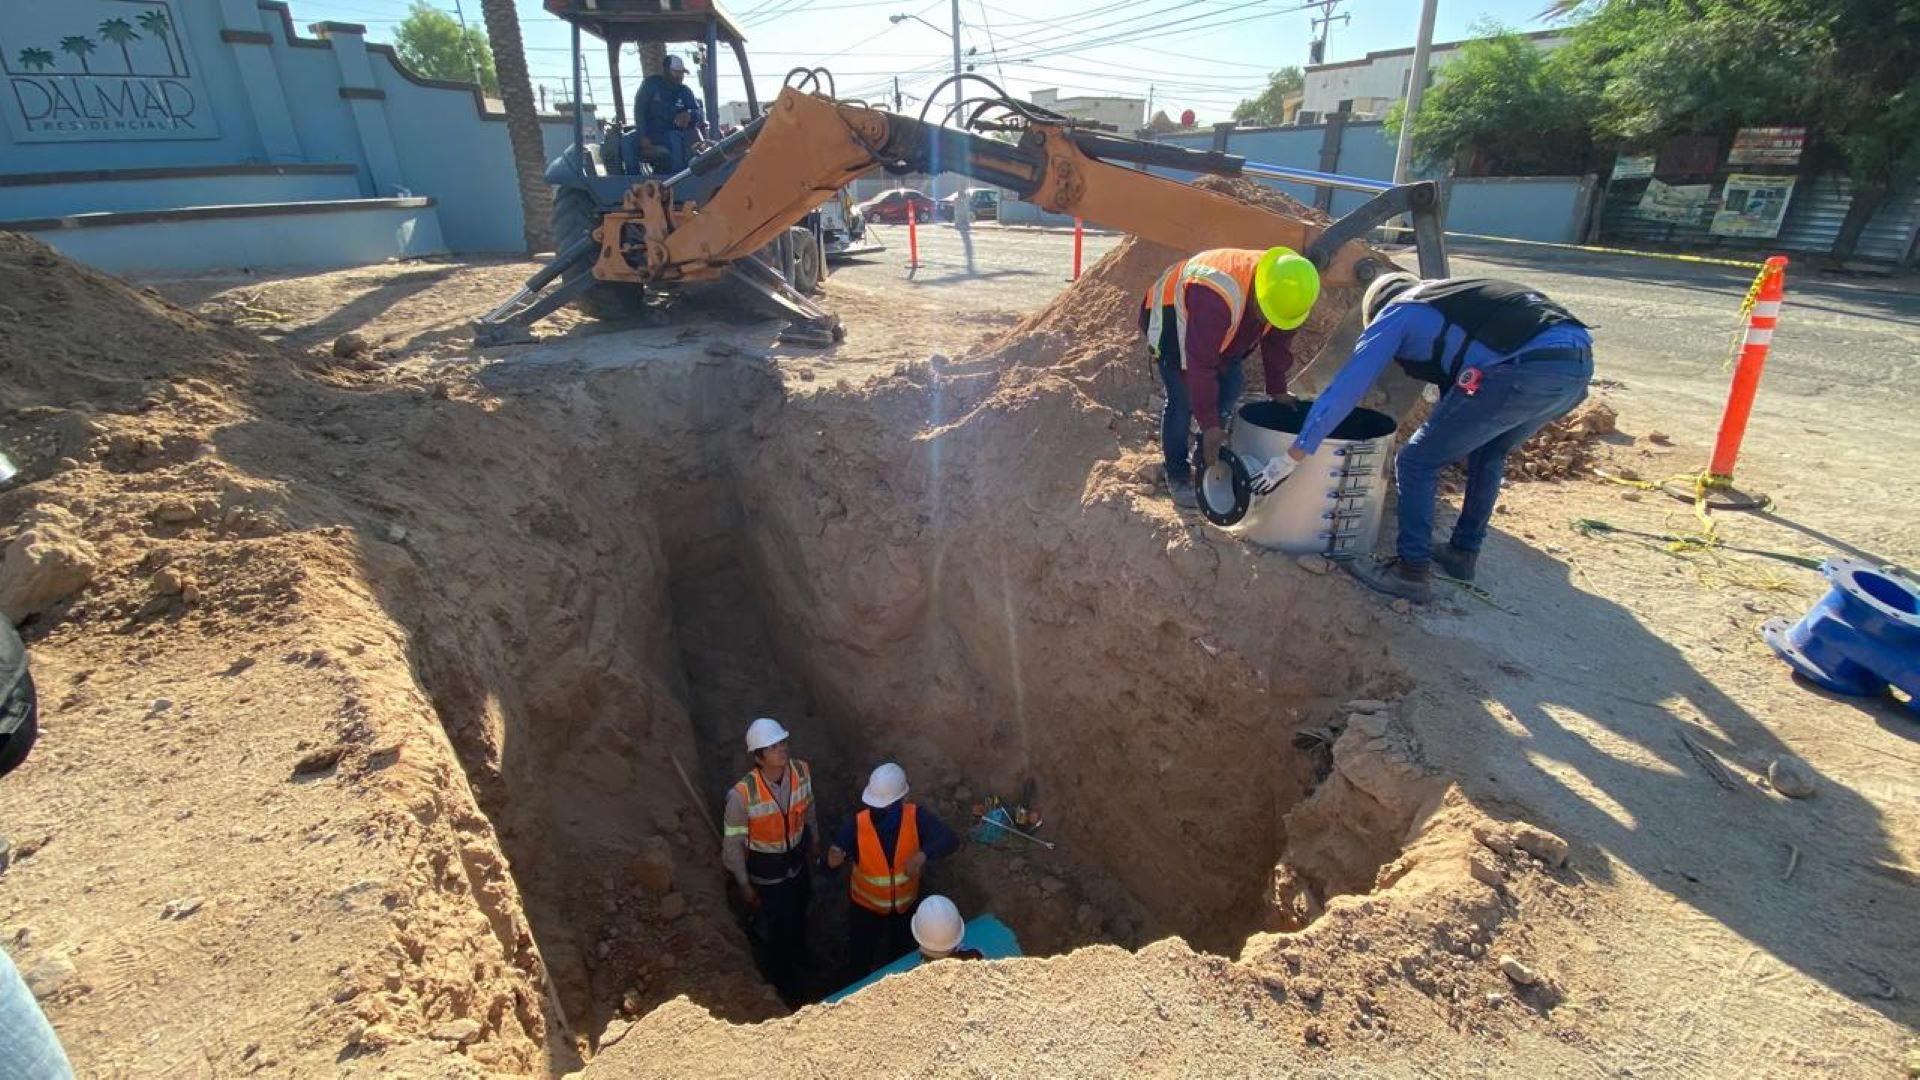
x=806, y=261
x=574, y=216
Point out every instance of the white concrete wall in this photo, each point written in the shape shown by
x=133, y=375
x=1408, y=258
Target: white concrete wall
x=1125, y=113
x=1382, y=76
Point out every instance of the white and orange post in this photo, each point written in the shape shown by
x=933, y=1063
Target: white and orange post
x=1746, y=373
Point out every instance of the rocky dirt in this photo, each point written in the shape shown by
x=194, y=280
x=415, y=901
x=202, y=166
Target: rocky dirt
x=371, y=683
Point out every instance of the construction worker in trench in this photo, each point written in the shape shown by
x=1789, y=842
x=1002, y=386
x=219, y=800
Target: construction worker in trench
x=1201, y=318
x=891, y=842
x=1508, y=361
x=940, y=931
x=772, y=835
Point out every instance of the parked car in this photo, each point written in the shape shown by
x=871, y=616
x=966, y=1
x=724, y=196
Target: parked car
x=890, y=208
x=983, y=203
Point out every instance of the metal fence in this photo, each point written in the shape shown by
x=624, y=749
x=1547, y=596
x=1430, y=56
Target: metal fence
x=1811, y=225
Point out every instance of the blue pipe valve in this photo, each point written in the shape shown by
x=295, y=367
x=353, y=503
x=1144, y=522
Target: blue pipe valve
x=1861, y=637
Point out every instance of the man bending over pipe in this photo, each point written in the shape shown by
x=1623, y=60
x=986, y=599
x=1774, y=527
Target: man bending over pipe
x=1507, y=360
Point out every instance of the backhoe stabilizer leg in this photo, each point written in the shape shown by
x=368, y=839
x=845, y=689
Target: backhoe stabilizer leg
x=526, y=306
x=1420, y=200
x=811, y=324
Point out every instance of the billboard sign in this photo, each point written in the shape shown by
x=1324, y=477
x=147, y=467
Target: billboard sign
x=1680, y=204
x=1767, y=146
x=1752, y=206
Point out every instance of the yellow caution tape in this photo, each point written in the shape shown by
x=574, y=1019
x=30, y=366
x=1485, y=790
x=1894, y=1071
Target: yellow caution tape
x=1743, y=264
x=1746, y=309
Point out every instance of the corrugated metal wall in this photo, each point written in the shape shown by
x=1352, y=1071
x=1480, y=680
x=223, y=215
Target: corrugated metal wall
x=1812, y=222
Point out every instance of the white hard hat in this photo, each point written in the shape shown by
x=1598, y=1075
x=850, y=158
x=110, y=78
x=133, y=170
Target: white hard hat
x=765, y=732
x=937, y=925
x=887, y=785
x=1382, y=290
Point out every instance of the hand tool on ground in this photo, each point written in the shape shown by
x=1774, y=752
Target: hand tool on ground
x=1001, y=825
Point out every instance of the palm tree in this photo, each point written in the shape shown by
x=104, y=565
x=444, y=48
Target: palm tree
x=35, y=59
x=155, y=22
x=119, y=31
x=78, y=45
x=523, y=121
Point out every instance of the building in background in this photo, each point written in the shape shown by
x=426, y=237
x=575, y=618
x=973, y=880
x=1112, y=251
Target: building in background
x=733, y=114
x=1126, y=114
x=1366, y=88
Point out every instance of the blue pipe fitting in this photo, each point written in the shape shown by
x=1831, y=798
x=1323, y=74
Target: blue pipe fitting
x=1860, y=638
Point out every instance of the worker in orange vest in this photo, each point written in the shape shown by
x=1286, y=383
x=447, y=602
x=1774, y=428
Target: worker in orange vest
x=891, y=842
x=772, y=835
x=1203, y=316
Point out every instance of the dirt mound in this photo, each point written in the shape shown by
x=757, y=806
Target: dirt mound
x=69, y=334
x=1094, y=324
x=1566, y=449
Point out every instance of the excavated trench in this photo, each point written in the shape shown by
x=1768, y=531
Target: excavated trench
x=685, y=545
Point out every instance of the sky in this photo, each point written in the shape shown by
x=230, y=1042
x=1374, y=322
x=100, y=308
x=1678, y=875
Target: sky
x=1204, y=55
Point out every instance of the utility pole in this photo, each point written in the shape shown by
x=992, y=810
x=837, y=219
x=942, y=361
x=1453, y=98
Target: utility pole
x=896, y=93
x=466, y=43
x=959, y=91
x=1416, y=87
x=1317, y=49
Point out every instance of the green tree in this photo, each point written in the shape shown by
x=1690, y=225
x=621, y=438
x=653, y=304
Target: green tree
x=1843, y=68
x=35, y=59
x=1503, y=107
x=81, y=46
x=1270, y=106
x=432, y=43
x=119, y=31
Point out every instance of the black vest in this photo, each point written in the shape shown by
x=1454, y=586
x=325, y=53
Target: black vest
x=1501, y=315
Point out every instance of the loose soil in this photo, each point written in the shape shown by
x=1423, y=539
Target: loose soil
x=376, y=686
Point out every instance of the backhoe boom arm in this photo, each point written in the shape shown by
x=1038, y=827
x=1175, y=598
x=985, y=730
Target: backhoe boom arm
x=809, y=146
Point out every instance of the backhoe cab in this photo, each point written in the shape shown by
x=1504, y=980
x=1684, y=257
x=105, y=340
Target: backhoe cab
x=593, y=175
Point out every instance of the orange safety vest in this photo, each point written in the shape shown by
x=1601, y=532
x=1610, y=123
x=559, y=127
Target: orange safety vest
x=1227, y=271
x=771, y=828
x=880, y=887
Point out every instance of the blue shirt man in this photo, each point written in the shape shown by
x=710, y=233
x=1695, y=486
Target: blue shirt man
x=1508, y=361
x=668, y=113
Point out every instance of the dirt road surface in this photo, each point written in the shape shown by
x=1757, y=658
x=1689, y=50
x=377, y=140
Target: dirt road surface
x=618, y=540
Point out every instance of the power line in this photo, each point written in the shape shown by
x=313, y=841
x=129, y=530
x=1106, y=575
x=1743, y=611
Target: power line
x=1215, y=61
x=992, y=47
x=1169, y=29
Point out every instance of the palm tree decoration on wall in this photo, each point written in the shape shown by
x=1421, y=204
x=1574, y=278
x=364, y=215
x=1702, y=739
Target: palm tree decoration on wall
x=155, y=22
x=119, y=31
x=78, y=45
x=35, y=59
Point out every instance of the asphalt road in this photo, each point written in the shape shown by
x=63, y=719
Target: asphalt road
x=1836, y=429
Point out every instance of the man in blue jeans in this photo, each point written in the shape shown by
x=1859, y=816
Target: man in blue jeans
x=1508, y=361
x=29, y=1049
x=1201, y=318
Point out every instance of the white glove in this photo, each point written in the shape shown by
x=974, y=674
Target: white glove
x=1272, y=474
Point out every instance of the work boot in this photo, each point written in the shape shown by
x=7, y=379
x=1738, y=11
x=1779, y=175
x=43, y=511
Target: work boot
x=1395, y=577
x=1184, y=496
x=1456, y=563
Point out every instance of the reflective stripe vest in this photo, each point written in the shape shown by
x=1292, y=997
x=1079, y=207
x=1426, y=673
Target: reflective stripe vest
x=773, y=830
x=1227, y=271
x=878, y=886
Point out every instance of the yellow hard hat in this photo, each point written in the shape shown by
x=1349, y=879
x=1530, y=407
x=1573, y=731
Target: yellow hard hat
x=1286, y=284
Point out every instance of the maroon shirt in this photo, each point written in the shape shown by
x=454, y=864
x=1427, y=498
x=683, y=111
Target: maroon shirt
x=1207, y=319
